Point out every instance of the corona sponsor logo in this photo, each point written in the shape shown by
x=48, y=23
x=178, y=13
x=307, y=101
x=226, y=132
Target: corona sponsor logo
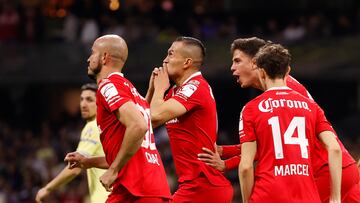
x=268, y=105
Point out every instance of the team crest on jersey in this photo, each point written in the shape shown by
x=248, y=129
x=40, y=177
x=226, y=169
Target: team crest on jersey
x=187, y=90
x=110, y=93
x=89, y=132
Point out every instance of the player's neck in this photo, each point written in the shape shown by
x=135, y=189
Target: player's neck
x=105, y=72
x=270, y=83
x=185, y=76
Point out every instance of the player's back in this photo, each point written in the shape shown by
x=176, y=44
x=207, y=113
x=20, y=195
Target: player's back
x=284, y=125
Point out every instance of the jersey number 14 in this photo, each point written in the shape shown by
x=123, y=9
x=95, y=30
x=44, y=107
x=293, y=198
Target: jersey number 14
x=298, y=124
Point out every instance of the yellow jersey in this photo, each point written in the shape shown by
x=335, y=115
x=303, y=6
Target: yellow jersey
x=90, y=145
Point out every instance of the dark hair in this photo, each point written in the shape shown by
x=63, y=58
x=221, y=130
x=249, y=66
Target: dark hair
x=89, y=86
x=193, y=42
x=249, y=46
x=274, y=59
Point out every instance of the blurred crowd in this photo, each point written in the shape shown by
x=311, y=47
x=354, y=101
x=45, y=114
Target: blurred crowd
x=30, y=157
x=162, y=20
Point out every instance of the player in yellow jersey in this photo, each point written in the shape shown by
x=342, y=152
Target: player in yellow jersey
x=89, y=145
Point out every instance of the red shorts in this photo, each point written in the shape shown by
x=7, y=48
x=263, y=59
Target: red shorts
x=124, y=196
x=350, y=189
x=200, y=190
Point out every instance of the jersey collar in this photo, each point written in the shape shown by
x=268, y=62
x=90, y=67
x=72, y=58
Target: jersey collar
x=192, y=76
x=278, y=88
x=116, y=73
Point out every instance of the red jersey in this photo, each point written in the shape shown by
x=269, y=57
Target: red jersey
x=143, y=174
x=320, y=160
x=195, y=129
x=284, y=125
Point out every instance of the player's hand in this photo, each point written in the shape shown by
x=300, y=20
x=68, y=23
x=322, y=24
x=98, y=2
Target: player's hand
x=161, y=80
x=108, y=178
x=76, y=160
x=212, y=159
x=41, y=194
x=151, y=81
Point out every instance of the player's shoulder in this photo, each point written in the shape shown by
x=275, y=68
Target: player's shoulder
x=252, y=105
x=90, y=129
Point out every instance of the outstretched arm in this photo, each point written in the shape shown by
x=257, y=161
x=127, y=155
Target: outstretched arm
x=77, y=160
x=65, y=176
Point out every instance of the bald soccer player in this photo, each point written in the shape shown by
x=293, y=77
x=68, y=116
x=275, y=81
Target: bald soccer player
x=135, y=172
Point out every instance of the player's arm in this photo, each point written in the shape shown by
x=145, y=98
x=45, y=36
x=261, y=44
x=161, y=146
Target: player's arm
x=246, y=169
x=77, y=160
x=163, y=111
x=335, y=163
x=65, y=176
x=136, y=127
x=229, y=151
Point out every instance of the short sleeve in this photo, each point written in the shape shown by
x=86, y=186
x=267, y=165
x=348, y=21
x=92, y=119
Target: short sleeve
x=115, y=94
x=189, y=95
x=322, y=124
x=246, y=126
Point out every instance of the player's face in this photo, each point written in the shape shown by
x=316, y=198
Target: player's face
x=174, y=60
x=243, y=69
x=94, y=62
x=88, y=104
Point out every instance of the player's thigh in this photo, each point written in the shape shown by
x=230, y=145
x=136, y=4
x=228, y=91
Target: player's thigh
x=151, y=200
x=350, y=184
x=201, y=191
x=350, y=177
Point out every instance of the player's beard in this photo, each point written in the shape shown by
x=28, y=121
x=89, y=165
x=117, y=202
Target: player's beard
x=95, y=72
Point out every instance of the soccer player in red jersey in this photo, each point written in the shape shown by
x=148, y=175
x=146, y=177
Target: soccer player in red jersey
x=135, y=172
x=280, y=126
x=189, y=112
x=243, y=50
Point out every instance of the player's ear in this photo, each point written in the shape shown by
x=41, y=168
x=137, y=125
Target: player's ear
x=262, y=73
x=288, y=71
x=105, y=58
x=188, y=62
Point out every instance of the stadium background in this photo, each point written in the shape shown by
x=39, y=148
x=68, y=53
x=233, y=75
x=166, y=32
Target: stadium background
x=44, y=45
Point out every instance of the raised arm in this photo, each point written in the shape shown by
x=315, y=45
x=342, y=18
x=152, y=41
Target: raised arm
x=163, y=111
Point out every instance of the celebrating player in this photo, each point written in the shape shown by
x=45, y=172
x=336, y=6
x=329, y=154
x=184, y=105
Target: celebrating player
x=135, y=172
x=281, y=126
x=189, y=112
x=243, y=50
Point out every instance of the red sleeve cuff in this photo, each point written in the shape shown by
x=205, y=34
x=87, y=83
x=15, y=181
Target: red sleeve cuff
x=229, y=151
x=232, y=163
